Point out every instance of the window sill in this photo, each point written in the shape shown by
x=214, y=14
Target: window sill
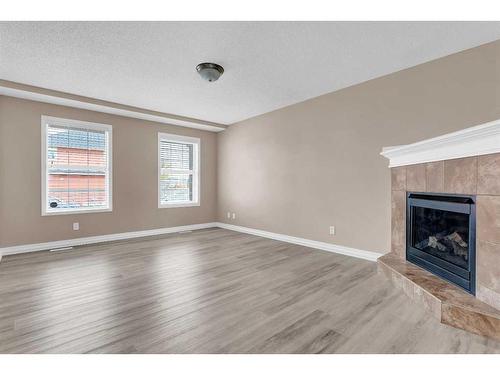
x=76, y=212
x=179, y=205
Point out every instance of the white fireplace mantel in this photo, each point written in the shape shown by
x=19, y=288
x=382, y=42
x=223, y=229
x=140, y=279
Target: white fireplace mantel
x=478, y=140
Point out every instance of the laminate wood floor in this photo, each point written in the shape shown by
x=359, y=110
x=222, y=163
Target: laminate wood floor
x=211, y=291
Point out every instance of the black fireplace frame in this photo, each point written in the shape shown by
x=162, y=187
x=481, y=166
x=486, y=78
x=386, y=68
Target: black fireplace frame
x=464, y=278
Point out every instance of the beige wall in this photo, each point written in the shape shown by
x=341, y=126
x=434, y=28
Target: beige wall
x=300, y=169
x=135, y=199
x=294, y=171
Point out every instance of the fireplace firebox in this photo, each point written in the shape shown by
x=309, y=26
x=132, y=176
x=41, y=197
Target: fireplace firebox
x=441, y=236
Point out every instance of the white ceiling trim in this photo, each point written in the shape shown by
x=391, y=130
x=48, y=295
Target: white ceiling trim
x=111, y=109
x=478, y=140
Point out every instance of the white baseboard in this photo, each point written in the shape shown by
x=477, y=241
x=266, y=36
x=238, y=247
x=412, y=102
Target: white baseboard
x=363, y=254
x=357, y=253
x=96, y=239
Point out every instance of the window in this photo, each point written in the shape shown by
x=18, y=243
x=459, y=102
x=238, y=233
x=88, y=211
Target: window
x=178, y=171
x=76, y=166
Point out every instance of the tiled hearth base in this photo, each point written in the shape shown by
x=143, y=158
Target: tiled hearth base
x=448, y=303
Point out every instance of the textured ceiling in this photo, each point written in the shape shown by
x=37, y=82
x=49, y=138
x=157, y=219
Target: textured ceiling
x=268, y=65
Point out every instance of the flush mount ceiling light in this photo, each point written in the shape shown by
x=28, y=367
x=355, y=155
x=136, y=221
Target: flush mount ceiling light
x=209, y=71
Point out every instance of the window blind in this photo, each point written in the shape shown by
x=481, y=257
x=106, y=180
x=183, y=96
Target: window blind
x=77, y=170
x=176, y=172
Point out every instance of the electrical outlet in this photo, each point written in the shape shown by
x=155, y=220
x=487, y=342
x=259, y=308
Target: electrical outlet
x=234, y=216
x=332, y=230
x=229, y=215
x=76, y=226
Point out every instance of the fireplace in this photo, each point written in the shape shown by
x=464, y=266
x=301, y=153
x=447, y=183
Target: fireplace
x=441, y=236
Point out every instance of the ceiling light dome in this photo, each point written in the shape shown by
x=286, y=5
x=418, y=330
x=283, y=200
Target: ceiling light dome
x=209, y=71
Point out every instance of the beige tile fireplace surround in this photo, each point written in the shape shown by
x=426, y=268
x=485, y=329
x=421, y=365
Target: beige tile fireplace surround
x=434, y=166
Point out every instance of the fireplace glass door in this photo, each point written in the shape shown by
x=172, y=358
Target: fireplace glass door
x=441, y=236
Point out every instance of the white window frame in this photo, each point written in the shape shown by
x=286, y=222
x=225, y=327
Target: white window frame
x=195, y=172
x=46, y=121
